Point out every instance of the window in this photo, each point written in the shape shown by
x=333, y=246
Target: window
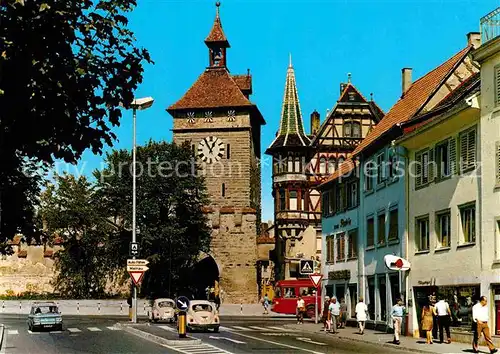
x=369, y=176
x=393, y=165
x=289, y=292
x=293, y=200
x=331, y=165
x=352, y=244
x=356, y=130
x=341, y=247
x=297, y=164
x=468, y=222
x=347, y=129
x=496, y=85
x=370, y=232
x=223, y=189
x=443, y=229
x=193, y=149
x=424, y=172
x=467, y=141
x=443, y=159
x=422, y=233
x=331, y=201
x=352, y=196
x=228, y=151
x=282, y=193
x=290, y=163
x=341, y=161
x=341, y=200
x=326, y=203
x=329, y=249
x=322, y=165
x=380, y=169
x=497, y=240
x=393, y=225
x=497, y=163
x=381, y=228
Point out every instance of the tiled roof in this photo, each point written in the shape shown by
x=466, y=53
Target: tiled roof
x=413, y=100
x=344, y=169
x=216, y=33
x=244, y=82
x=214, y=88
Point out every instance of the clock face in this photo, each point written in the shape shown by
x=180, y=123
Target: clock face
x=210, y=149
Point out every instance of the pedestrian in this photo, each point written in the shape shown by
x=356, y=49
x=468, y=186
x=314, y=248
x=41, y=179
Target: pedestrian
x=334, y=309
x=481, y=316
x=301, y=307
x=361, y=317
x=428, y=321
x=444, y=314
x=325, y=318
x=397, y=318
x=265, y=303
x=343, y=313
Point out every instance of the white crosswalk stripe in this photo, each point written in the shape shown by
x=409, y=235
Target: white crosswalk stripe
x=241, y=328
x=201, y=348
x=94, y=329
x=256, y=328
x=74, y=330
x=12, y=331
x=168, y=328
x=114, y=328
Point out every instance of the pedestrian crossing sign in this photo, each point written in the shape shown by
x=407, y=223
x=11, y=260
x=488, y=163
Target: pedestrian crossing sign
x=306, y=266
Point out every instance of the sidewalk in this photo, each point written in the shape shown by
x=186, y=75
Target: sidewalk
x=385, y=339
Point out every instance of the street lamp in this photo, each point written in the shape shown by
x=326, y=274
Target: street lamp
x=137, y=104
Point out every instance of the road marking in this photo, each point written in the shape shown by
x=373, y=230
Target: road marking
x=114, y=328
x=281, y=329
x=73, y=330
x=55, y=332
x=94, y=329
x=12, y=331
x=276, y=343
x=201, y=348
x=309, y=340
x=241, y=328
x=168, y=328
x=31, y=332
x=258, y=328
x=229, y=339
x=274, y=334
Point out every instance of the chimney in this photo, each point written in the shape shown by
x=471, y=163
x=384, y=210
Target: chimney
x=406, y=79
x=474, y=39
x=314, y=122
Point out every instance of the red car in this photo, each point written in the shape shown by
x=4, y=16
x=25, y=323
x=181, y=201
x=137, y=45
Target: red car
x=286, y=294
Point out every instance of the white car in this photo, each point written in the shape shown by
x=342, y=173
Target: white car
x=202, y=315
x=162, y=310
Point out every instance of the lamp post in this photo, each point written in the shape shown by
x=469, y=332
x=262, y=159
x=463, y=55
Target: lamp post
x=137, y=104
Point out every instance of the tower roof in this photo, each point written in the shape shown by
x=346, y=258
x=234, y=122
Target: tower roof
x=291, y=132
x=216, y=34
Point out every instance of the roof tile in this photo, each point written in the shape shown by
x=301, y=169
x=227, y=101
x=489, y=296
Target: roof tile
x=413, y=100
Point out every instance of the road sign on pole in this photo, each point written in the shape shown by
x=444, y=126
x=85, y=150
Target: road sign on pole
x=316, y=280
x=306, y=266
x=141, y=268
x=136, y=276
x=134, y=249
x=137, y=262
x=182, y=303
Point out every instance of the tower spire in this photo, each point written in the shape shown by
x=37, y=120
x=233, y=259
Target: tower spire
x=290, y=60
x=216, y=35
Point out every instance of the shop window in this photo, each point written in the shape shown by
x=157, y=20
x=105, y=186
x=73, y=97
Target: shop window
x=381, y=228
x=340, y=247
x=352, y=244
x=394, y=284
x=293, y=200
x=443, y=229
x=353, y=295
x=422, y=233
x=468, y=223
x=370, y=302
x=467, y=141
x=393, y=225
x=382, y=289
x=370, y=232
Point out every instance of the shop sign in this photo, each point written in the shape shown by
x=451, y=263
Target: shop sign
x=339, y=275
x=343, y=223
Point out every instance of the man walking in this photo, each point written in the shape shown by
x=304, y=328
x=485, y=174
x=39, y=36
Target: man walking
x=361, y=310
x=301, y=307
x=481, y=316
x=444, y=314
x=397, y=318
x=343, y=313
x=335, y=314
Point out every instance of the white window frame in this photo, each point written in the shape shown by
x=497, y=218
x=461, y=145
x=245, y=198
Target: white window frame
x=471, y=239
x=469, y=163
x=439, y=229
x=418, y=233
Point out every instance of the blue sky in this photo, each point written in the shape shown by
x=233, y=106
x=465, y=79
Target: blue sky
x=372, y=40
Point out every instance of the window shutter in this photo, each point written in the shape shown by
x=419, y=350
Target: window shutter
x=463, y=151
x=431, y=166
x=497, y=167
x=471, y=149
x=452, y=146
x=497, y=85
x=418, y=170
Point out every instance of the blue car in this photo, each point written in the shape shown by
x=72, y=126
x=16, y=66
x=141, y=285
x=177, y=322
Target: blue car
x=44, y=315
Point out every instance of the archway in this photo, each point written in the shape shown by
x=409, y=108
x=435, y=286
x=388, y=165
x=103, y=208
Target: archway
x=205, y=273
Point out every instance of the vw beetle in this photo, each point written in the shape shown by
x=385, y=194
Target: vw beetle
x=163, y=310
x=202, y=315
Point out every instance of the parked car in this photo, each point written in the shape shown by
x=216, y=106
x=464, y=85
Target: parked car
x=201, y=315
x=163, y=310
x=44, y=315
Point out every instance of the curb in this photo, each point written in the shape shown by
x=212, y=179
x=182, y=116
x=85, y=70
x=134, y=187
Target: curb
x=154, y=338
x=2, y=330
x=386, y=345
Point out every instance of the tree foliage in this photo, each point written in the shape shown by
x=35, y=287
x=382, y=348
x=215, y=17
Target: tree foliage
x=65, y=67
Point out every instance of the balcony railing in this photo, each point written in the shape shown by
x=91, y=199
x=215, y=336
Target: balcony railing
x=490, y=25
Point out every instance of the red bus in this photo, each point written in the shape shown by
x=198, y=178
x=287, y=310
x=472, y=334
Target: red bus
x=286, y=293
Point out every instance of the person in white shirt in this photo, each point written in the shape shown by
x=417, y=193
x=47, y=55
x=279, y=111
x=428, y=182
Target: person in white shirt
x=334, y=309
x=361, y=310
x=481, y=317
x=301, y=307
x=443, y=314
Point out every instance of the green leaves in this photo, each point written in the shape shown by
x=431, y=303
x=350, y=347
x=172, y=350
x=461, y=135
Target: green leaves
x=44, y=6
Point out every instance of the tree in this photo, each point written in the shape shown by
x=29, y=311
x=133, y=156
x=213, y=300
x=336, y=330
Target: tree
x=70, y=211
x=65, y=67
x=171, y=224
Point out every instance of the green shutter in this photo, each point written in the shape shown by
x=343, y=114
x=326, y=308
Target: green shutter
x=418, y=170
x=463, y=151
x=471, y=149
x=431, y=166
x=452, y=146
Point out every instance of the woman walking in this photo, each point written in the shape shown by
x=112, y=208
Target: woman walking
x=428, y=313
x=325, y=318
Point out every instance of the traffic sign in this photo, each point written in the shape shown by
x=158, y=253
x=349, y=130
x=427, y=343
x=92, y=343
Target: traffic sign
x=182, y=303
x=141, y=268
x=136, y=276
x=134, y=249
x=306, y=266
x=137, y=262
x=316, y=279
x=393, y=262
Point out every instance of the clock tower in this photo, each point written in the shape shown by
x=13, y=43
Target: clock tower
x=223, y=127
